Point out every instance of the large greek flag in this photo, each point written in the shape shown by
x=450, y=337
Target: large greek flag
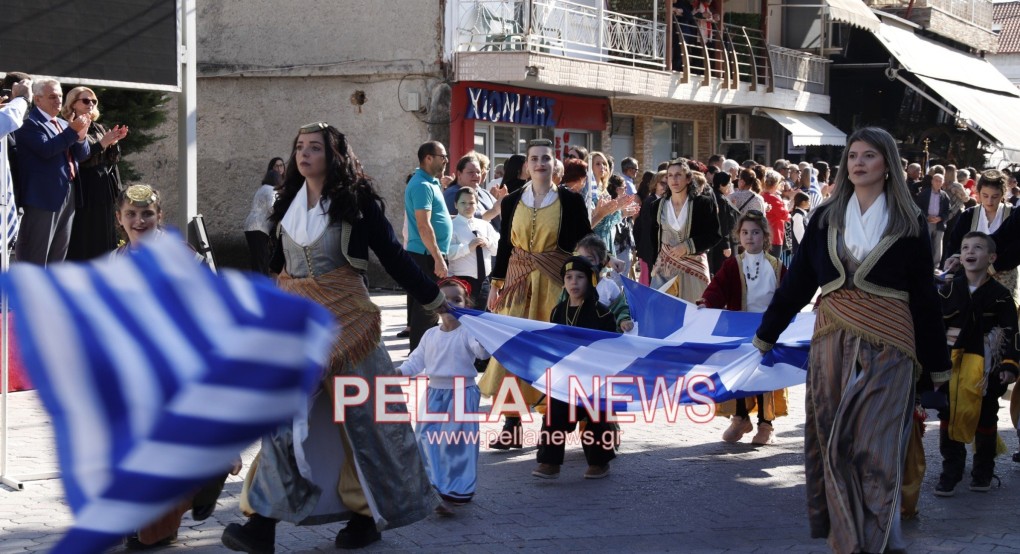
x=157, y=373
x=681, y=342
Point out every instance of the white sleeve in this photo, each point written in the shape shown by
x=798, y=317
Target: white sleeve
x=415, y=362
x=798, y=227
x=492, y=236
x=12, y=116
x=477, y=349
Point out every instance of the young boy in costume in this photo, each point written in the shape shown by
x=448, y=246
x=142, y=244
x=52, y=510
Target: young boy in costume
x=981, y=329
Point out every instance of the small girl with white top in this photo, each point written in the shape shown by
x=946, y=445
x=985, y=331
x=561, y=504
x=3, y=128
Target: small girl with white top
x=746, y=282
x=446, y=355
x=472, y=245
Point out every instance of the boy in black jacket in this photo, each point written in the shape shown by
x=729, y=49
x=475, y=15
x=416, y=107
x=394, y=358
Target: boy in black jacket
x=581, y=309
x=981, y=329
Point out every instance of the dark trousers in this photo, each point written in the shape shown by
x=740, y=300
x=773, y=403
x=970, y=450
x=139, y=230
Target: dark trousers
x=596, y=438
x=420, y=319
x=44, y=235
x=258, y=248
x=954, y=453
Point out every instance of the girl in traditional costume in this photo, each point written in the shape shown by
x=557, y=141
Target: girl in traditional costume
x=446, y=355
x=541, y=224
x=746, y=282
x=316, y=470
x=679, y=230
x=878, y=326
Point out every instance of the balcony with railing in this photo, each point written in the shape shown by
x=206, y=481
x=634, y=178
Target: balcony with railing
x=720, y=55
x=965, y=21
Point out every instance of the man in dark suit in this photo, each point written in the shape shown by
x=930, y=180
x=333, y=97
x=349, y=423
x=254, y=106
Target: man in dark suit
x=934, y=203
x=49, y=150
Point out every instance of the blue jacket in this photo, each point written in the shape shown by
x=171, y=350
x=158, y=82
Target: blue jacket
x=42, y=161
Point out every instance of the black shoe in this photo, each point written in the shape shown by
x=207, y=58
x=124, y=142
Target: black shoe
x=510, y=436
x=946, y=487
x=258, y=536
x=1016, y=457
x=132, y=543
x=983, y=483
x=405, y=333
x=359, y=533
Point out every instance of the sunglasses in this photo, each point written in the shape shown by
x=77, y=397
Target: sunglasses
x=572, y=157
x=89, y=101
x=313, y=127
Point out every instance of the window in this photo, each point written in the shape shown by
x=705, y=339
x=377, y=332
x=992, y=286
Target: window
x=672, y=139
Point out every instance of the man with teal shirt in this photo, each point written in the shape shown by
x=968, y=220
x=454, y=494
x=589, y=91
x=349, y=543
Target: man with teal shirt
x=429, y=228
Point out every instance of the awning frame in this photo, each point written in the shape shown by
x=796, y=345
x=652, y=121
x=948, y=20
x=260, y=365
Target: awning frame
x=821, y=139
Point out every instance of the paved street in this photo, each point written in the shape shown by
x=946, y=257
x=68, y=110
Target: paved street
x=674, y=487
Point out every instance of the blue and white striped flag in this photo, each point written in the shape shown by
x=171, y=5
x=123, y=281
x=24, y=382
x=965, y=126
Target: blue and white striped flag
x=157, y=373
x=714, y=345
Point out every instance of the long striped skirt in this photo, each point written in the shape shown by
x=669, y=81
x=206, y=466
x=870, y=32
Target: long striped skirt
x=858, y=415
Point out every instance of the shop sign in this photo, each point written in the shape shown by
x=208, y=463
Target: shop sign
x=510, y=107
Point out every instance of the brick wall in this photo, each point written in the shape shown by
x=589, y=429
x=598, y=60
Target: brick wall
x=704, y=117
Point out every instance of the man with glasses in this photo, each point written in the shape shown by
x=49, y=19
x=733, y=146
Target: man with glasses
x=429, y=228
x=49, y=150
x=629, y=171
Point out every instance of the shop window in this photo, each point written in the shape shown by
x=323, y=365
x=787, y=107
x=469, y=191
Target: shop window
x=672, y=139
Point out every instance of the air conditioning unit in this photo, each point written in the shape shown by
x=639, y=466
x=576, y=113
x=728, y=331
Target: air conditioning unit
x=737, y=127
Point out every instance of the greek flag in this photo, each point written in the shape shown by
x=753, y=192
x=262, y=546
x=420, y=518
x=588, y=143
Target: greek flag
x=157, y=373
x=677, y=342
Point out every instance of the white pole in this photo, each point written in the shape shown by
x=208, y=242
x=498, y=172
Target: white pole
x=187, y=118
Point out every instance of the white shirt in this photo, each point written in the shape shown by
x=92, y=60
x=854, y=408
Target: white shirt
x=303, y=225
x=673, y=219
x=985, y=226
x=444, y=355
x=261, y=208
x=761, y=281
x=463, y=260
x=863, y=231
x=608, y=291
x=528, y=196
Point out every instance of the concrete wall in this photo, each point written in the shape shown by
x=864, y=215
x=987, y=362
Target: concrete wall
x=264, y=71
x=1008, y=64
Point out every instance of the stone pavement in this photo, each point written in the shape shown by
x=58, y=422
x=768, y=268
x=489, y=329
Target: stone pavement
x=674, y=487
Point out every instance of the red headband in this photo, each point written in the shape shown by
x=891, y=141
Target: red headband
x=453, y=281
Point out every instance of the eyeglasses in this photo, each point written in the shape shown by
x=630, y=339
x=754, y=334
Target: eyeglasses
x=313, y=127
x=444, y=156
x=88, y=101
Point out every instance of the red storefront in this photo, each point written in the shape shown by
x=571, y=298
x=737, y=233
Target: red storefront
x=499, y=120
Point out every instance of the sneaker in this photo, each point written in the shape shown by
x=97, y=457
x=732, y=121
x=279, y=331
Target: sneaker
x=983, y=483
x=764, y=434
x=739, y=426
x=546, y=471
x=359, y=533
x=946, y=487
x=596, y=472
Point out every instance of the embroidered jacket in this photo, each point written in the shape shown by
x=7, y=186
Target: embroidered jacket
x=703, y=226
x=574, y=225
x=374, y=231
x=896, y=268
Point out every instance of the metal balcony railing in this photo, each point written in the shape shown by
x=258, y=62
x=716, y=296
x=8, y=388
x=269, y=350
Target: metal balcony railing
x=731, y=53
x=790, y=66
x=561, y=27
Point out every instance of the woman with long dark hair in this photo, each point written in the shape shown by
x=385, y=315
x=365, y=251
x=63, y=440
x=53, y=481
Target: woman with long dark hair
x=878, y=326
x=327, y=217
x=513, y=170
x=257, y=227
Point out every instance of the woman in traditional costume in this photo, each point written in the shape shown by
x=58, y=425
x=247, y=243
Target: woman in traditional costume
x=679, y=230
x=878, y=326
x=541, y=226
x=986, y=217
x=316, y=470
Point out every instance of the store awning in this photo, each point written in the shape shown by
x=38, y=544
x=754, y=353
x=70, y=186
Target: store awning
x=980, y=93
x=998, y=114
x=807, y=129
x=854, y=12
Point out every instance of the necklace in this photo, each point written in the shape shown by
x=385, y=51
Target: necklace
x=757, y=271
x=577, y=314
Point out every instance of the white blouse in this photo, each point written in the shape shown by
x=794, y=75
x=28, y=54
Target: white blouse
x=864, y=231
x=761, y=281
x=303, y=225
